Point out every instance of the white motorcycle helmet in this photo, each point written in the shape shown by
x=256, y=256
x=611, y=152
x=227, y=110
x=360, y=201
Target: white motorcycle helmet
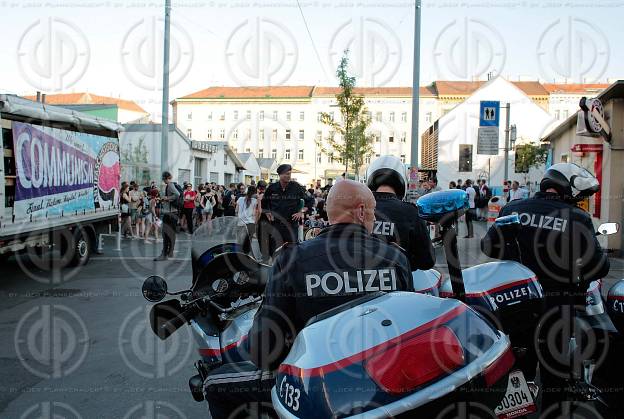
x=387, y=170
x=571, y=181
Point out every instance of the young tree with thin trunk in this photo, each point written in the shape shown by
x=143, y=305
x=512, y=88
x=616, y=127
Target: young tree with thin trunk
x=353, y=144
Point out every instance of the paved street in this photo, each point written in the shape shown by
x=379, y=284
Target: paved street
x=103, y=360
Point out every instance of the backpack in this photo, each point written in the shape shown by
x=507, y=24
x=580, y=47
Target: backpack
x=179, y=204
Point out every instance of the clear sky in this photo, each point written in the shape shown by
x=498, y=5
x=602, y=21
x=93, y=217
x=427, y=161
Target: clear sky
x=115, y=47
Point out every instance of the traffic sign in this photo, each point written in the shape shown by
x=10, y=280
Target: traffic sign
x=487, y=142
x=489, y=111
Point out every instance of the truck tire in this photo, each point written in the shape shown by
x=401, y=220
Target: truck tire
x=81, y=249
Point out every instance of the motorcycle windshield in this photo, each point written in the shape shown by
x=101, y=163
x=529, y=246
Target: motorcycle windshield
x=215, y=237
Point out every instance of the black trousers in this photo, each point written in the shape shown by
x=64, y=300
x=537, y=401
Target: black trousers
x=170, y=221
x=470, y=215
x=188, y=214
x=281, y=233
x=247, y=234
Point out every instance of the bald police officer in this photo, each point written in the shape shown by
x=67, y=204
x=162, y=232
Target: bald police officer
x=342, y=263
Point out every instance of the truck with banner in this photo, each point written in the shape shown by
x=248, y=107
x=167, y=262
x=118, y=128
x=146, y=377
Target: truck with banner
x=59, y=179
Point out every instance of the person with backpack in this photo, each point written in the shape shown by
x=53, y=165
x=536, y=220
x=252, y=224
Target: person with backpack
x=229, y=201
x=170, y=207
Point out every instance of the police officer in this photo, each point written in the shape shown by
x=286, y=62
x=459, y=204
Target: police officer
x=557, y=241
x=281, y=206
x=342, y=263
x=395, y=220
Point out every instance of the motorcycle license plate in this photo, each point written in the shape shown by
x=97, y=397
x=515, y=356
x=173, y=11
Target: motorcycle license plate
x=518, y=400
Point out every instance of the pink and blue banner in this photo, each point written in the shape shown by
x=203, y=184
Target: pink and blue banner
x=62, y=172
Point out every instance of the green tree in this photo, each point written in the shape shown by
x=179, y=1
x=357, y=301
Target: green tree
x=529, y=155
x=354, y=144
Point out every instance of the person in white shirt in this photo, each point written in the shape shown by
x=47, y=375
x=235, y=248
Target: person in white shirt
x=247, y=211
x=470, y=214
x=515, y=192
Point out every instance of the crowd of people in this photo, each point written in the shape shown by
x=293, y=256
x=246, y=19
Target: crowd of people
x=146, y=209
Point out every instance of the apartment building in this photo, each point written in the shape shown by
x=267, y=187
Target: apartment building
x=283, y=122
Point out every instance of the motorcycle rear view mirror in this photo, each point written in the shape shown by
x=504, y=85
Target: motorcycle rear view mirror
x=608, y=228
x=154, y=288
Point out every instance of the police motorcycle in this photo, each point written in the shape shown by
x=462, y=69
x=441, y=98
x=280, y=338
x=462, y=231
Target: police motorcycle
x=220, y=306
x=599, y=367
x=395, y=354
x=364, y=358
x=505, y=292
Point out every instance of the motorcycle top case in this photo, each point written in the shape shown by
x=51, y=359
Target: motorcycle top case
x=615, y=305
x=427, y=282
x=506, y=288
x=390, y=354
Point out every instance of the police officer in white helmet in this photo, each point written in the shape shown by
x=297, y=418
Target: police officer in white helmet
x=395, y=220
x=557, y=241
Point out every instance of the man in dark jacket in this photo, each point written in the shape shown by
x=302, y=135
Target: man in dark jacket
x=395, y=220
x=308, y=279
x=281, y=205
x=557, y=241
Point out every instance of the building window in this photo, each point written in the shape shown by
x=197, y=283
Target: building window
x=261, y=115
x=288, y=134
x=377, y=138
x=248, y=134
x=300, y=154
x=378, y=116
x=318, y=157
x=287, y=154
x=403, y=136
x=190, y=116
x=301, y=116
x=210, y=116
x=209, y=136
x=319, y=135
x=248, y=150
x=274, y=153
x=557, y=114
x=225, y=161
x=402, y=158
x=428, y=117
x=565, y=114
x=261, y=134
x=465, y=157
x=189, y=133
x=222, y=117
x=235, y=134
x=222, y=134
x=275, y=115
x=391, y=116
x=319, y=116
x=301, y=134
x=331, y=116
x=260, y=153
x=248, y=116
x=369, y=116
x=368, y=159
x=288, y=115
x=391, y=137
x=404, y=117
x=236, y=115
x=274, y=135
x=330, y=158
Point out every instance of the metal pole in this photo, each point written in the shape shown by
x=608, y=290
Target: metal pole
x=165, y=98
x=508, y=108
x=415, y=85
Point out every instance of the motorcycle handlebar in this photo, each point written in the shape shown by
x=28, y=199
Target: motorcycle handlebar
x=170, y=326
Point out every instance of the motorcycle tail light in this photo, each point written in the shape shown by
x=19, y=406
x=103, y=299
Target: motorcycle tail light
x=416, y=361
x=498, y=368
